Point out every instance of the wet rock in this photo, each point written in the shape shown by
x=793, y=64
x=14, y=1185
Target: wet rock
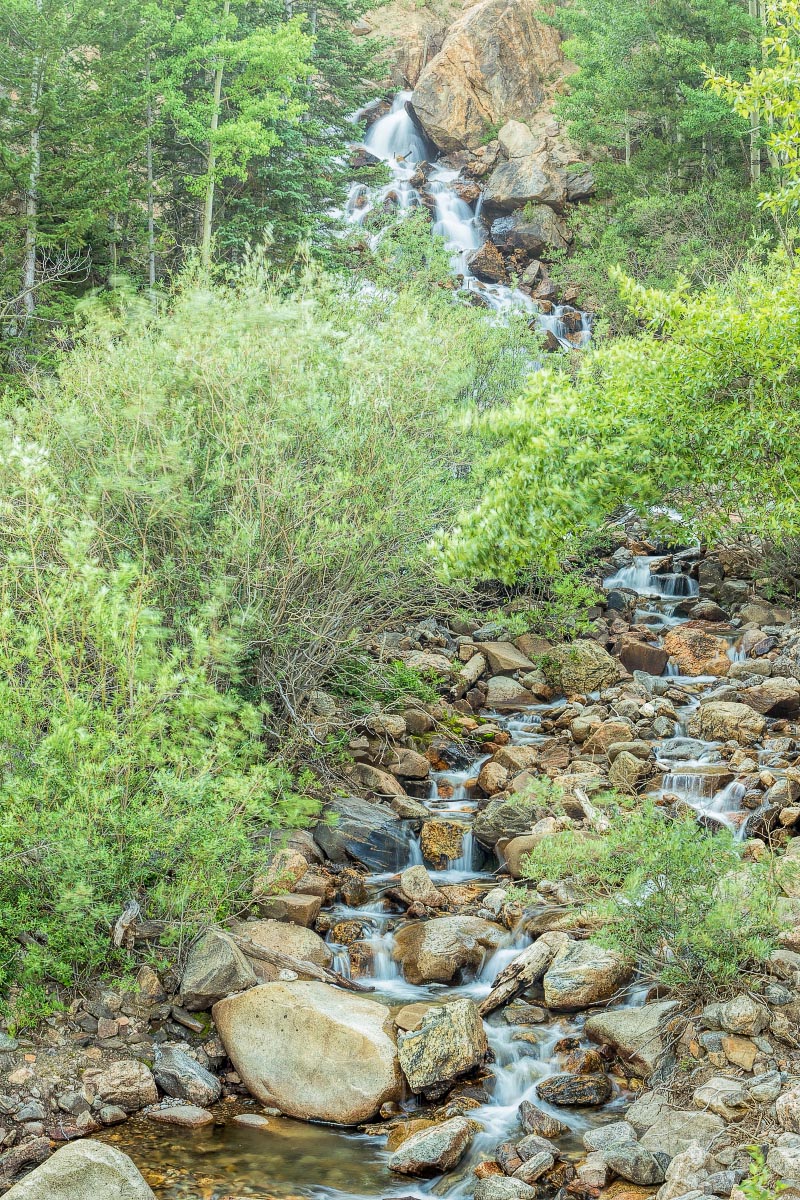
x=128, y=1084
x=294, y=940
x=718, y=721
x=573, y=1090
x=442, y=842
x=633, y=1032
x=498, y=1188
x=582, y=973
x=418, y=888
x=450, y=1042
x=277, y=1035
x=433, y=1151
x=634, y=1163
x=186, y=1116
x=535, y=1120
x=696, y=652
x=776, y=697
x=368, y=833
x=215, y=968
x=583, y=666
x=81, y=1170
x=487, y=263
x=535, y=1167
x=537, y=230
x=183, y=1078
x=494, y=65
x=492, y=778
x=638, y=655
x=436, y=951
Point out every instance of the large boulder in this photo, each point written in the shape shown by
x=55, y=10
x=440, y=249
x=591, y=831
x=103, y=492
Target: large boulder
x=82, y=1170
x=720, y=721
x=371, y=834
x=450, y=1042
x=634, y=1033
x=294, y=940
x=437, y=951
x=214, y=968
x=312, y=1051
x=434, y=1150
x=776, y=697
x=582, y=666
x=535, y=230
x=494, y=66
x=523, y=181
x=582, y=974
x=696, y=652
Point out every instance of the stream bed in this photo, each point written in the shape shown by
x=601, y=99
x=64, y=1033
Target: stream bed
x=288, y=1158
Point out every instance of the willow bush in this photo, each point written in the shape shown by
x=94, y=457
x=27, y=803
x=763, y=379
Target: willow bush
x=202, y=515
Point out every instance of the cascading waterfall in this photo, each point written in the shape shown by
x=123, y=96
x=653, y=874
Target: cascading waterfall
x=395, y=139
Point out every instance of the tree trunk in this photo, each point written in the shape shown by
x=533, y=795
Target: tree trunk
x=755, y=122
x=151, y=229
x=211, y=161
x=32, y=193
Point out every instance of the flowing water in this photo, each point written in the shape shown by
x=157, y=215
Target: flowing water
x=289, y=1158
x=395, y=139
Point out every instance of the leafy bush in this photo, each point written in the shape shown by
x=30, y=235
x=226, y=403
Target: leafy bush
x=551, y=606
x=671, y=894
x=700, y=412
x=199, y=518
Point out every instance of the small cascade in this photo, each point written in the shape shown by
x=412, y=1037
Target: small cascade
x=454, y=220
x=571, y=328
x=395, y=138
x=639, y=578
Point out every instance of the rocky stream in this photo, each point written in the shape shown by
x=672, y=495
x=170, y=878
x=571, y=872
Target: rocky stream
x=490, y=1050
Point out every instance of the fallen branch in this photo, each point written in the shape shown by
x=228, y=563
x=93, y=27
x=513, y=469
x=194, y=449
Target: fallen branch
x=469, y=675
x=523, y=971
x=299, y=965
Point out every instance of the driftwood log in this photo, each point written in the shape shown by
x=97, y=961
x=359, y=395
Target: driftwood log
x=299, y=965
x=523, y=971
x=469, y=675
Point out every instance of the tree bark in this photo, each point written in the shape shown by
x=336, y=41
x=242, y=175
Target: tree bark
x=754, y=7
x=211, y=161
x=523, y=971
x=32, y=193
x=151, y=228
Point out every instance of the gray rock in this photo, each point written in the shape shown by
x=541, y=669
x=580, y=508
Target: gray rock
x=784, y=1157
x=677, y=1128
x=433, y=1151
x=633, y=1032
x=81, y=1170
x=369, y=833
x=634, y=1163
x=435, y=951
x=498, y=1188
x=128, y=1084
x=214, y=969
x=183, y=1078
x=535, y=1166
x=582, y=973
x=605, y=1136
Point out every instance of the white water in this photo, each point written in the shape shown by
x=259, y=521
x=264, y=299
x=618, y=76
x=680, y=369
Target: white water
x=396, y=140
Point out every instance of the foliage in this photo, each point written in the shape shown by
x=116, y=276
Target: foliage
x=657, y=231
x=640, y=86
x=770, y=90
x=758, y=1185
x=700, y=409
x=552, y=606
x=672, y=895
x=200, y=517
x=366, y=684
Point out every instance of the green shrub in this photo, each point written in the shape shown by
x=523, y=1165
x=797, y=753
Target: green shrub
x=201, y=517
x=672, y=895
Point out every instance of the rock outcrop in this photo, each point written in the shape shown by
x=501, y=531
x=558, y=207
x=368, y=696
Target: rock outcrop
x=82, y=1170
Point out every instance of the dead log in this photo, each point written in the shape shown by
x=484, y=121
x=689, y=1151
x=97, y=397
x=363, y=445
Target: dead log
x=469, y=675
x=299, y=965
x=523, y=971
